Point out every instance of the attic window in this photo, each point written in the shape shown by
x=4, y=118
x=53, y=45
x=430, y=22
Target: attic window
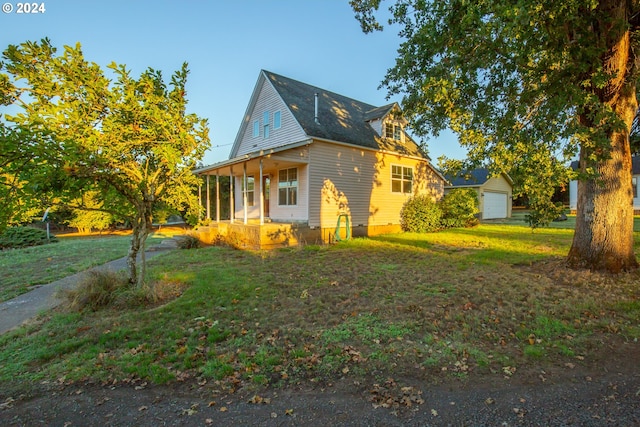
x=265, y=124
x=277, y=120
x=256, y=128
x=393, y=131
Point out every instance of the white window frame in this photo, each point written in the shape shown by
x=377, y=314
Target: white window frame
x=290, y=187
x=249, y=191
x=402, y=178
x=256, y=128
x=265, y=124
x=277, y=120
x=395, y=131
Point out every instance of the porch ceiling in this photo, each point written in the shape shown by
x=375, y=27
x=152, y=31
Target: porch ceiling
x=269, y=162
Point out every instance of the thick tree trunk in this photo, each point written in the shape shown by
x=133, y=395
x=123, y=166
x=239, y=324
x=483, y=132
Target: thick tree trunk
x=603, y=238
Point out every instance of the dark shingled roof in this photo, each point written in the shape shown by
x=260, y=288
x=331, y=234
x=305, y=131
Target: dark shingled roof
x=340, y=118
x=474, y=177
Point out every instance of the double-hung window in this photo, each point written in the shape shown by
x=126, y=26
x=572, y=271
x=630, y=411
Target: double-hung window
x=256, y=128
x=401, y=179
x=249, y=190
x=265, y=124
x=393, y=131
x=277, y=119
x=288, y=187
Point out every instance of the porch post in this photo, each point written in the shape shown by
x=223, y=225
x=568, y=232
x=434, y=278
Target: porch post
x=261, y=180
x=199, y=199
x=244, y=190
x=208, y=200
x=217, y=196
x=231, y=195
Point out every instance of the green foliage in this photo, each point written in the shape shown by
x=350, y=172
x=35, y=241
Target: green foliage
x=526, y=86
x=129, y=141
x=459, y=208
x=420, y=214
x=20, y=237
x=543, y=214
x=90, y=216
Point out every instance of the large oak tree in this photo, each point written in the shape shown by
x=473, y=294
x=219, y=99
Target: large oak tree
x=127, y=140
x=528, y=85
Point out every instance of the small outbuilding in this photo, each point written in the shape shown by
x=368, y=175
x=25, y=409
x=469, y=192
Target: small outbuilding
x=495, y=193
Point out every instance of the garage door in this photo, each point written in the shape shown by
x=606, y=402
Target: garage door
x=495, y=205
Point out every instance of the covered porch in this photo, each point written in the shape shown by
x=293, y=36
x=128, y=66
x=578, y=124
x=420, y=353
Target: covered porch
x=266, y=199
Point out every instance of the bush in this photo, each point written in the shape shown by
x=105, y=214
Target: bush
x=101, y=289
x=97, y=289
x=21, y=237
x=187, y=242
x=459, y=208
x=420, y=214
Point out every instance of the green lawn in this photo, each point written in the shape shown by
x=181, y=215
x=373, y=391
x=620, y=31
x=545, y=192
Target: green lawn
x=21, y=269
x=466, y=302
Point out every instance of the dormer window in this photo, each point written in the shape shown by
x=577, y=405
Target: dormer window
x=393, y=131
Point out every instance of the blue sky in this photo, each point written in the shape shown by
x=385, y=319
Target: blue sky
x=226, y=43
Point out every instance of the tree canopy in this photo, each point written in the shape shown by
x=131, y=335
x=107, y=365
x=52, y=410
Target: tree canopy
x=527, y=86
x=128, y=141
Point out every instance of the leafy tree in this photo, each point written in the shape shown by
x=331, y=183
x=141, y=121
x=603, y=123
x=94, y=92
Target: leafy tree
x=128, y=140
x=89, y=214
x=528, y=85
x=459, y=208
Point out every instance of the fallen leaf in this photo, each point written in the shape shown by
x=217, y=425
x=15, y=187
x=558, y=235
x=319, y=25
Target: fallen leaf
x=223, y=409
x=289, y=412
x=142, y=408
x=434, y=412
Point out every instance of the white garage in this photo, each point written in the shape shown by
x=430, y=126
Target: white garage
x=495, y=192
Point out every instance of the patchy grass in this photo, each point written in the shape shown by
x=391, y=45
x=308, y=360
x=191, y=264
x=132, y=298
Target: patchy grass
x=493, y=300
x=21, y=269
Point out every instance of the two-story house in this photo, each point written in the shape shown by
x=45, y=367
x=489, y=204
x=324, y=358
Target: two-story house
x=306, y=161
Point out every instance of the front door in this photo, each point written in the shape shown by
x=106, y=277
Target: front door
x=266, y=186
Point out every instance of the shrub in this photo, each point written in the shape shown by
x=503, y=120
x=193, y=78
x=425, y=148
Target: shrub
x=459, y=208
x=187, y=242
x=102, y=288
x=21, y=237
x=97, y=289
x=420, y=214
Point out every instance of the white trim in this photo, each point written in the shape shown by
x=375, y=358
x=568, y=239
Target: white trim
x=402, y=179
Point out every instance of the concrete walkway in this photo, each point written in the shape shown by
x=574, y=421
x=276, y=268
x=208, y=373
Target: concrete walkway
x=23, y=307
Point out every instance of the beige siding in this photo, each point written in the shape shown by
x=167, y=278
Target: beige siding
x=498, y=184
x=289, y=132
x=355, y=181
